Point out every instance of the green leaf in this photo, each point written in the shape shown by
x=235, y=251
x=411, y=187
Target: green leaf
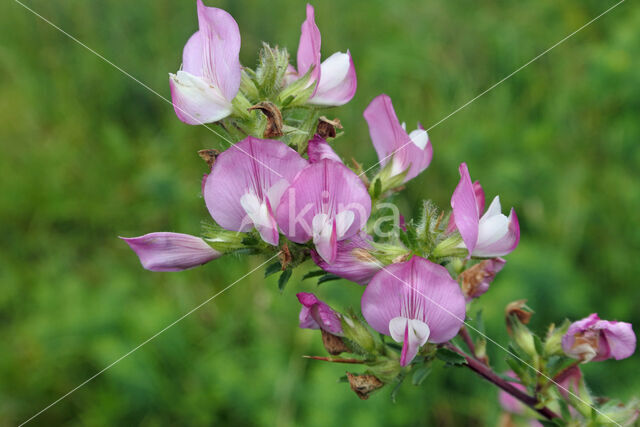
x=328, y=278
x=377, y=188
x=394, y=392
x=517, y=367
x=272, y=269
x=314, y=273
x=343, y=379
x=420, y=374
x=284, y=278
x=450, y=357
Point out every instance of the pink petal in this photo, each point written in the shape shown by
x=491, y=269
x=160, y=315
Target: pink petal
x=317, y=314
x=220, y=44
x=620, y=338
x=309, y=46
x=480, y=197
x=253, y=167
x=318, y=149
x=352, y=262
x=171, y=251
x=338, y=81
x=326, y=187
x=465, y=209
x=427, y=286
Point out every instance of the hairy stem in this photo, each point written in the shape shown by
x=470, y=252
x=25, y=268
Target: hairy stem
x=485, y=372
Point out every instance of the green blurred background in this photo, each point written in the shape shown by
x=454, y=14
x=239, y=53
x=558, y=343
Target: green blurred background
x=87, y=154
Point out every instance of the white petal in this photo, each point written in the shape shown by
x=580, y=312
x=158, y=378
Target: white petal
x=343, y=221
x=494, y=208
x=397, y=326
x=333, y=71
x=196, y=101
x=491, y=229
x=419, y=137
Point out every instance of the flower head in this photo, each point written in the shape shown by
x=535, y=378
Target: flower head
x=246, y=183
x=491, y=235
x=171, y=251
x=316, y=314
x=326, y=202
x=414, y=302
x=335, y=78
x=209, y=79
x=411, y=152
x=594, y=339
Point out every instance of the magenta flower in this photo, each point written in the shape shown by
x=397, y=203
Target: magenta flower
x=316, y=314
x=326, y=202
x=411, y=152
x=246, y=183
x=414, y=302
x=171, y=251
x=594, y=339
x=335, y=77
x=475, y=281
x=491, y=235
x=353, y=260
x=209, y=79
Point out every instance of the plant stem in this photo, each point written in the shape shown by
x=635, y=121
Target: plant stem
x=486, y=372
x=468, y=341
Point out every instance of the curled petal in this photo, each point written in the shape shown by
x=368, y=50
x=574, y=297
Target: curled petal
x=317, y=314
x=318, y=149
x=195, y=101
x=353, y=260
x=416, y=289
x=320, y=194
x=465, y=209
x=220, y=49
x=246, y=183
x=594, y=339
x=171, y=251
x=338, y=81
x=309, y=46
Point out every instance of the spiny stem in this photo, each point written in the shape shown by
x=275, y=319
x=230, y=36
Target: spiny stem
x=486, y=372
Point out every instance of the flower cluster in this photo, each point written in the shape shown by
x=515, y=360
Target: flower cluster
x=281, y=190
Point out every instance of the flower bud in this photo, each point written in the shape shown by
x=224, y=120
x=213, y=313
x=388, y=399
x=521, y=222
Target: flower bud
x=517, y=316
x=553, y=342
x=517, y=310
x=355, y=331
x=364, y=385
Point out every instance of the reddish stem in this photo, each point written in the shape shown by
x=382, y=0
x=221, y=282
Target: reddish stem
x=486, y=372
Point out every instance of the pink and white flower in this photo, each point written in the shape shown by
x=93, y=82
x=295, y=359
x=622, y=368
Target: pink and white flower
x=414, y=302
x=171, y=251
x=247, y=182
x=411, y=152
x=326, y=202
x=202, y=90
x=316, y=314
x=493, y=234
x=592, y=339
x=335, y=77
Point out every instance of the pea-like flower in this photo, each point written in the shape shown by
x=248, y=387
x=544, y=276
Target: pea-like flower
x=335, y=77
x=165, y=251
x=411, y=152
x=592, y=339
x=490, y=235
x=202, y=90
x=414, y=302
x=326, y=202
x=316, y=314
x=247, y=182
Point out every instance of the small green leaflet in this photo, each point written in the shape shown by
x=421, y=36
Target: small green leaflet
x=284, y=278
x=272, y=269
x=450, y=357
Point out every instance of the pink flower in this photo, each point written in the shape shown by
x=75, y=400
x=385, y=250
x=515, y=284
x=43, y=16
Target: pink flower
x=316, y=314
x=326, y=202
x=414, y=302
x=491, y=235
x=594, y=339
x=171, y=251
x=353, y=260
x=406, y=151
x=247, y=182
x=319, y=149
x=209, y=79
x=335, y=77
